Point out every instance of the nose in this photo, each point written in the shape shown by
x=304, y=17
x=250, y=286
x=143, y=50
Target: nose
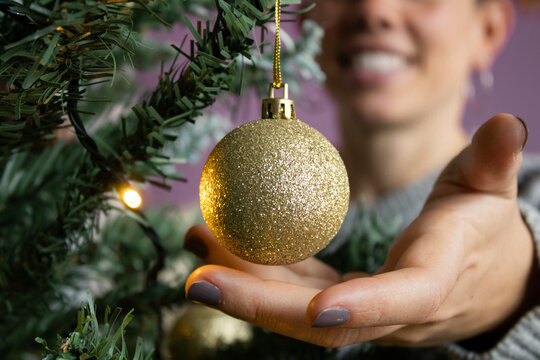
x=374, y=15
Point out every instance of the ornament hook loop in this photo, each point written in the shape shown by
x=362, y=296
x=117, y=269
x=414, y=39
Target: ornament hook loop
x=285, y=90
x=278, y=108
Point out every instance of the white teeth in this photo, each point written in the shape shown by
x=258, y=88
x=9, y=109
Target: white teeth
x=380, y=62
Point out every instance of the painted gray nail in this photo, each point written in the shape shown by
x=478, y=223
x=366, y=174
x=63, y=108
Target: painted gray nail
x=332, y=317
x=525, y=134
x=204, y=292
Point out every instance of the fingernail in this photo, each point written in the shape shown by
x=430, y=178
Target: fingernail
x=204, y=292
x=525, y=134
x=332, y=317
x=196, y=246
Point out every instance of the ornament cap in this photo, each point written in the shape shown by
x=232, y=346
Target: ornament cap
x=278, y=108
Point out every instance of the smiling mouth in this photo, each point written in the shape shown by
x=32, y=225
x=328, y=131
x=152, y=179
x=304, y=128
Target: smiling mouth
x=378, y=62
x=374, y=66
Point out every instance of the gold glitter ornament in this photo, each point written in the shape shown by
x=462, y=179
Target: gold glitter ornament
x=202, y=332
x=274, y=191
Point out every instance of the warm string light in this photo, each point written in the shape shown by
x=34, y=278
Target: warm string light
x=131, y=198
x=277, y=50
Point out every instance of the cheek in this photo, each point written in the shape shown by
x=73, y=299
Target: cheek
x=444, y=38
x=328, y=58
x=327, y=12
x=329, y=50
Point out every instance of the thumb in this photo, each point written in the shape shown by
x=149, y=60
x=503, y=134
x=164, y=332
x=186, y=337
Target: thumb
x=492, y=161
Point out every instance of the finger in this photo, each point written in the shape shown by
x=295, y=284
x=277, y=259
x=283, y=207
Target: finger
x=311, y=272
x=274, y=305
x=496, y=149
x=493, y=159
x=405, y=296
x=412, y=294
x=354, y=275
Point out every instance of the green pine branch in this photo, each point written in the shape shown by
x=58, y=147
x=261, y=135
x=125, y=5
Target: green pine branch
x=92, y=340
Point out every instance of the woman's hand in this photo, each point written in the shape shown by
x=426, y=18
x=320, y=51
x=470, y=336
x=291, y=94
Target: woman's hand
x=460, y=269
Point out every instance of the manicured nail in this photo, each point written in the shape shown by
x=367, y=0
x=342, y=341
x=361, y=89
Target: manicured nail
x=525, y=135
x=332, y=317
x=196, y=246
x=204, y=292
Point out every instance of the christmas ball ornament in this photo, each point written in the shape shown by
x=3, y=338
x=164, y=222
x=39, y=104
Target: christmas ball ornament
x=201, y=332
x=274, y=191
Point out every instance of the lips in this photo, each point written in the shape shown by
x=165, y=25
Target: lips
x=374, y=65
x=378, y=62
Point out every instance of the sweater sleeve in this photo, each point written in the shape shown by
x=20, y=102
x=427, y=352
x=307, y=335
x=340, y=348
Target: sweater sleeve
x=522, y=342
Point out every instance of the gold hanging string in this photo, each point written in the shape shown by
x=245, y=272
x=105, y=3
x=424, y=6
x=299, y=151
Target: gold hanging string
x=277, y=50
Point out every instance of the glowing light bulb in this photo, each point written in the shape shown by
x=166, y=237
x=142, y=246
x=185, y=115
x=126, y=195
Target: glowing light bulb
x=132, y=198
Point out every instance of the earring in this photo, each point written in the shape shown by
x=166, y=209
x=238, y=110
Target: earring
x=487, y=80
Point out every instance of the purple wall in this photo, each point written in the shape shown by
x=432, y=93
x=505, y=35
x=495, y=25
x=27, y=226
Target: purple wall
x=517, y=82
x=516, y=90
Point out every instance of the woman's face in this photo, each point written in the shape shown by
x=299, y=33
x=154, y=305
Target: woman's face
x=390, y=61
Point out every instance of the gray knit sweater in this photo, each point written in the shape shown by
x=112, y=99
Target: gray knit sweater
x=523, y=340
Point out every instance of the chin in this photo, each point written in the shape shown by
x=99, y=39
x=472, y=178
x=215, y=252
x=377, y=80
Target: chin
x=371, y=115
